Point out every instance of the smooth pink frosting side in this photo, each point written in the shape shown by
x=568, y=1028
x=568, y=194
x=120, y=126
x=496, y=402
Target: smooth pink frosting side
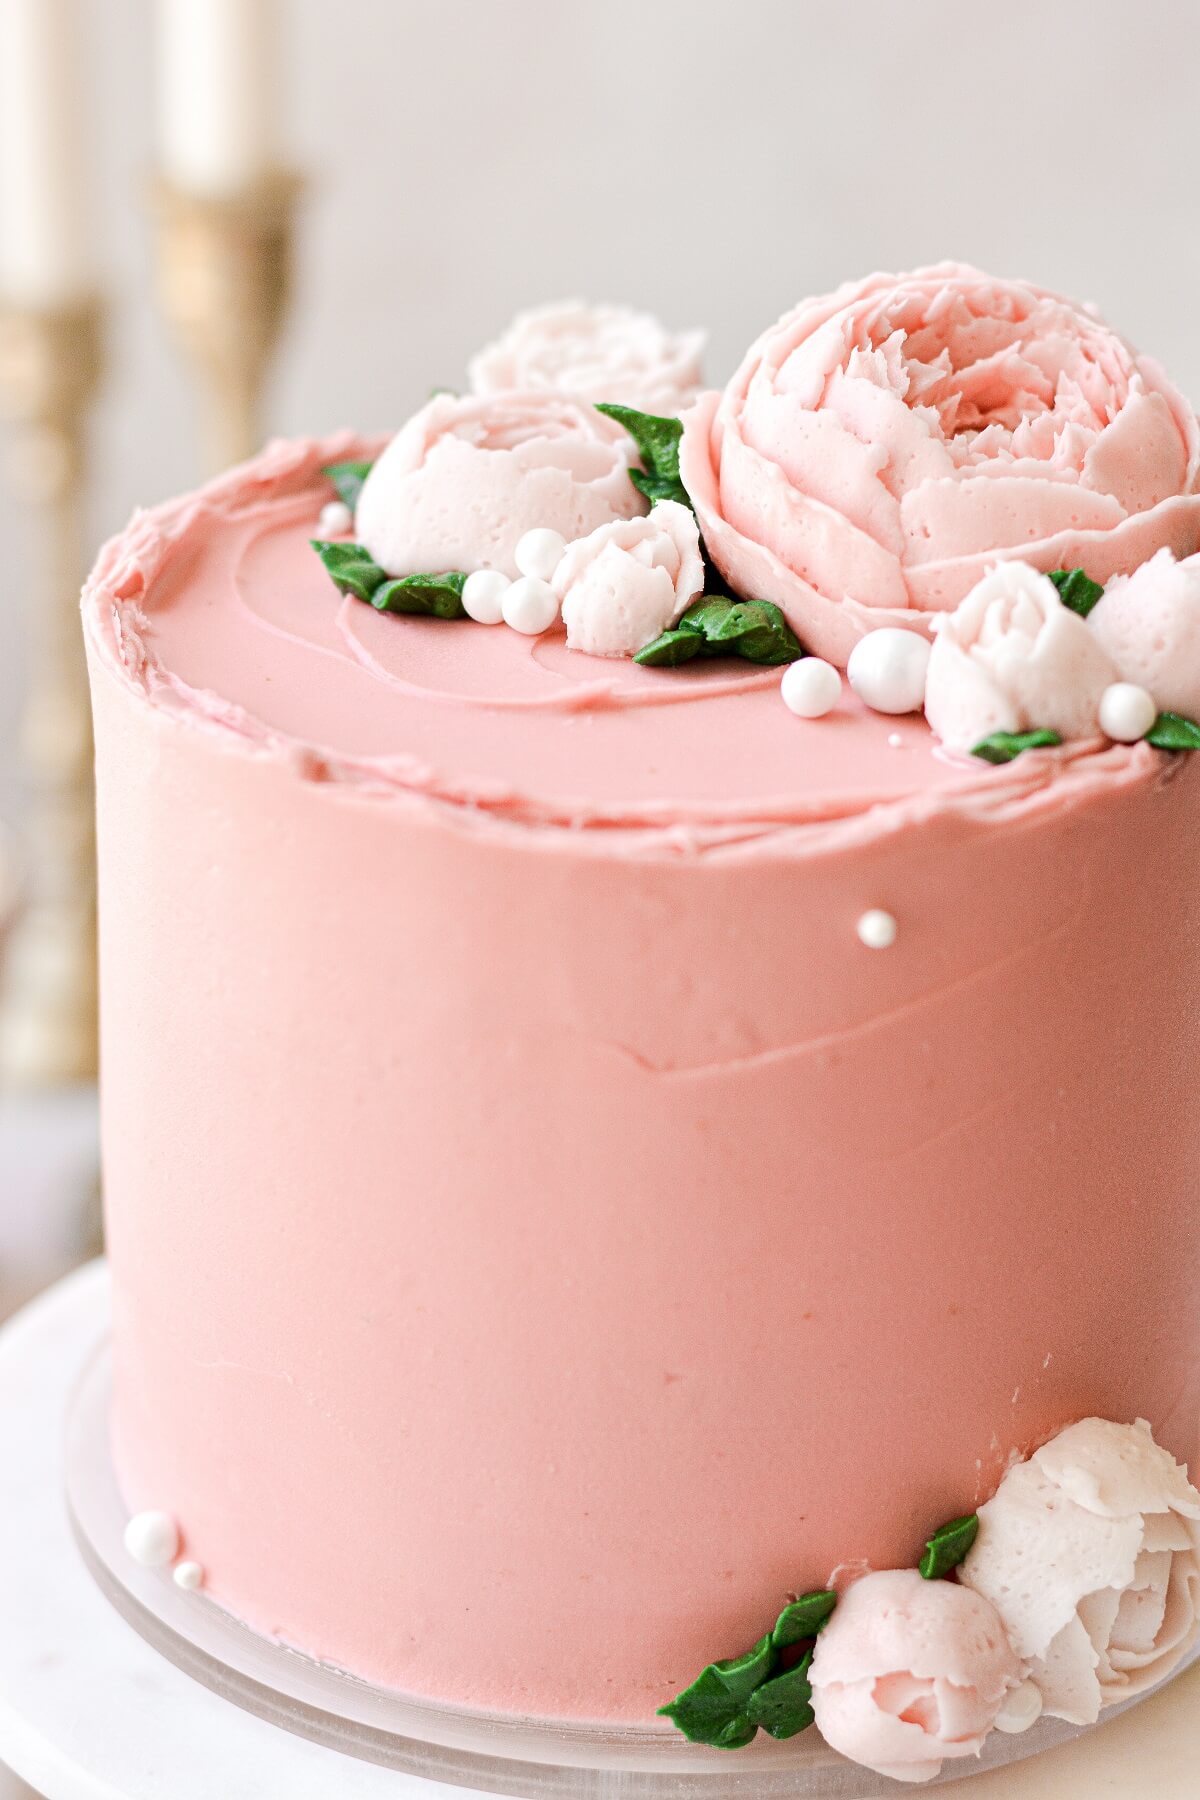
x=537, y=1222
x=881, y=445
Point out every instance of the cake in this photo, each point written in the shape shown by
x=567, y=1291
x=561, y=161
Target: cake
x=648, y=987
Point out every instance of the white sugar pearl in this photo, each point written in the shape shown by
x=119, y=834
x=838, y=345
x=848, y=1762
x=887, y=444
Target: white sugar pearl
x=188, y=1575
x=335, y=519
x=887, y=670
x=530, y=605
x=152, y=1539
x=877, y=929
x=1020, y=1709
x=1126, y=712
x=483, y=596
x=810, y=688
x=539, y=552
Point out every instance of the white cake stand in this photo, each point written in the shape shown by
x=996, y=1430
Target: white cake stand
x=89, y=1711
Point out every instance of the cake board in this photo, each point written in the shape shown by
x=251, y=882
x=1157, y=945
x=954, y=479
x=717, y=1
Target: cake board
x=90, y=1711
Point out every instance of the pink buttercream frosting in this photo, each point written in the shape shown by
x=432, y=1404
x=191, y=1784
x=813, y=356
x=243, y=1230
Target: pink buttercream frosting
x=881, y=446
x=1012, y=657
x=909, y=1672
x=627, y=582
x=471, y=997
x=597, y=352
x=467, y=477
x=1149, y=624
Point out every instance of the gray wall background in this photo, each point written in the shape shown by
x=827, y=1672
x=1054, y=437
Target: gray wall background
x=711, y=159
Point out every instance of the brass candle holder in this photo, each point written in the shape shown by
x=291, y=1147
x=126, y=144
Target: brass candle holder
x=225, y=270
x=50, y=366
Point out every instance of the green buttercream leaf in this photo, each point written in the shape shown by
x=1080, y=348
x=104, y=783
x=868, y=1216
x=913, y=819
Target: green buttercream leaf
x=720, y=626
x=713, y=1709
x=948, y=1545
x=1002, y=746
x=659, y=487
x=755, y=629
x=1171, y=731
x=783, y=1705
x=348, y=478
x=1076, y=590
x=679, y=645
x=433, y=596
x=657, y=441
x=803, y=1618
x=353, y=569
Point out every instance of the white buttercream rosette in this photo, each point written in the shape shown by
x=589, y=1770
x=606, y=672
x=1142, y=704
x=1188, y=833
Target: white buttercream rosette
x=595, y=352
x=1013, y=658
x=627, y=582
x=1090, y=1553
x=468, y=477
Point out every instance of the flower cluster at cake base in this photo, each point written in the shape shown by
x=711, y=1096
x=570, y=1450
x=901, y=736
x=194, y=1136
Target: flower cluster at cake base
x=1076, y=1586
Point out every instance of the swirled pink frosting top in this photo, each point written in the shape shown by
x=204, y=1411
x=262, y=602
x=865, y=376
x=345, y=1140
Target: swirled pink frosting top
x=544, y=1234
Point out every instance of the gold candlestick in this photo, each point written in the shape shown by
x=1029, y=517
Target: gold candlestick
x=50, y=367
x=225, y=268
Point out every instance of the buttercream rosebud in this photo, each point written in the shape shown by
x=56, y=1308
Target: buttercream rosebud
x=1090, y=1553
x=910, y=1672
x=1149, y=623
x=597, y=352
x=1013, y=658
x=466, y=478
x=626, y=583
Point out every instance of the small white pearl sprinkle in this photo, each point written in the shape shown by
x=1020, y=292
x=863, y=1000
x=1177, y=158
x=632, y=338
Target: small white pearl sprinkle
x=810, y=688
x=188, y=1575
x=887, y=670
x=877, y=929
x=1020, y=1709
x=152, y=1539
x=335, y=519
x=539, y=552
x=530, y=605
x=483, y=596
x=895, y=741
x=1126, y=712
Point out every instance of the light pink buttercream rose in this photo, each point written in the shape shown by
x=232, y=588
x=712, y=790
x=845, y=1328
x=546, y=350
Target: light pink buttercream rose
x=1090, y=1552
x=597, y=352
x=1149, y=623
x=467, y=477
x=1012, y=657
x=910, y=1672
x=627, y=582
x=881, y=446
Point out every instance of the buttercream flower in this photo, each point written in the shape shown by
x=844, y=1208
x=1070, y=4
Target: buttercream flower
x=880, y=447
x=1012, y=657
x=466, y=478
x=1149, y=623
x=1090, y=1553
x=597, y=352
x=627, y=582
x=910, y=1672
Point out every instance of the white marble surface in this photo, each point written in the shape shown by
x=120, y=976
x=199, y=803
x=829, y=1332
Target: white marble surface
x=88, y=1711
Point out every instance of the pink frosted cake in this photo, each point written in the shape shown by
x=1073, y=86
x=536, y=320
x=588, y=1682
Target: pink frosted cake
x=647, y=1023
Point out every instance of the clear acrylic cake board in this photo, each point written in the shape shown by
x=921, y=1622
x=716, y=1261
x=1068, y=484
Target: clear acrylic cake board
x=488, y=1753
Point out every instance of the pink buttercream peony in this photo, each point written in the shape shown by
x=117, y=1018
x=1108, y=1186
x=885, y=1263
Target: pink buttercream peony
x=1149, y=623
x=879, y=447
x=597, y=352
x=909, y=1672
x=626, y=583
x=1012, y=657
x=466, y=478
